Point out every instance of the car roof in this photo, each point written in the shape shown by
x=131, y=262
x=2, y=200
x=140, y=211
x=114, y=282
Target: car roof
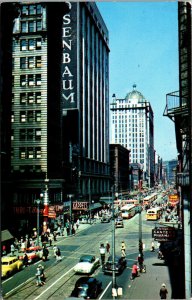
x=8, y=258
x=87, y=256
x=85, y=280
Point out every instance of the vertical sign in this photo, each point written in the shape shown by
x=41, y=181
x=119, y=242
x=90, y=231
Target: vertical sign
x=69, y=57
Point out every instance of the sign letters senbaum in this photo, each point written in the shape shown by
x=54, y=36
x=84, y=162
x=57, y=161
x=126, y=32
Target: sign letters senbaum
x=69, y=58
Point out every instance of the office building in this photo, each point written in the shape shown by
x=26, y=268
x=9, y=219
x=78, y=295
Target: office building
x=132, y=127
x=55, y=115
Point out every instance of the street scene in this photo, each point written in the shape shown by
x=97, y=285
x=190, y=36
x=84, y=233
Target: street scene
x=96, y=168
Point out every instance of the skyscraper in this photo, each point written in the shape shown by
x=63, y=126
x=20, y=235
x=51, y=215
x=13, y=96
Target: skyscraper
x=132, y=127
x=55, y=114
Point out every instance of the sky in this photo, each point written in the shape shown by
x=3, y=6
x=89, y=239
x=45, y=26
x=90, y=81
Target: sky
x=143, y=42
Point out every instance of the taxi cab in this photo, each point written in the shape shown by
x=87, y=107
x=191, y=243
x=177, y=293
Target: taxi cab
x=10, y=265
x=33, y=253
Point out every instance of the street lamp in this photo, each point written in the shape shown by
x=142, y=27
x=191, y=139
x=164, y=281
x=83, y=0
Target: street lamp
x=37, y=201
x=114, y=285
x=140, y=228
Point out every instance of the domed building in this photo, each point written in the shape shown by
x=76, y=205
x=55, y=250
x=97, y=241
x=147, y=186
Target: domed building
x=132, y=127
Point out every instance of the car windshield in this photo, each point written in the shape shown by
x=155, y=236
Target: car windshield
x=85, y=259
x=83, y=286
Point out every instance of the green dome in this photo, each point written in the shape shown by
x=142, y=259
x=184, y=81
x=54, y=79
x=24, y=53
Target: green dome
x=135, y=95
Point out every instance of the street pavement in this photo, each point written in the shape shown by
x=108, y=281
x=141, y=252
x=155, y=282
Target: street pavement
x=148, y=284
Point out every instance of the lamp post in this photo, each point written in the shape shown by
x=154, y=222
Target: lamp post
x=38, y=201
x=70, y=223
x=114, y=285
x=140, y=228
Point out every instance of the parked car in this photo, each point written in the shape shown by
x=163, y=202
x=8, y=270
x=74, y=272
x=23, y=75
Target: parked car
x=105, y=219
x=87, y=288
x=10, y=265
x=120, y=265
x=119, y=222
x=87, y=264
x=34, y=253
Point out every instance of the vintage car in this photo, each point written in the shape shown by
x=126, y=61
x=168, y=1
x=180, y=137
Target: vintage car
x=34, y=253
x=87, y=288
x=119, y=222
x=10, y=265
x=105, y=219
x=120, y=265
x=87, y=264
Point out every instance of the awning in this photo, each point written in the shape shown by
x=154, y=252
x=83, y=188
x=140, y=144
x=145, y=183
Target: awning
x=6, y=235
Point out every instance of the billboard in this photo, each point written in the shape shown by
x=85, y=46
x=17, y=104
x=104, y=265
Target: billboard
x=164, y=234
x=69, y=57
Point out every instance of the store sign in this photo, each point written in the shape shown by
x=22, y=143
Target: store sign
x=69, y=58
x=80, y=205
x=162, y=234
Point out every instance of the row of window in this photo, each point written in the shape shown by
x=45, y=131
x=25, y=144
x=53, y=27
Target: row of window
x=28, y=116
x=30, y=44
x=30, y=80
x=29, y=152
x=31, y=9
x=30, y=62
x=31, y=26
x=28, y=168
x=28, y=98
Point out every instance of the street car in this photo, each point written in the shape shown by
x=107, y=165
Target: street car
x=87, y=264
x=87, y=288
x=120, y=265
x=119, y=222
x=10, y=265
x=34, y=253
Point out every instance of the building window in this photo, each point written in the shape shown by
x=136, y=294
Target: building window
x=22, y=135
x=38, y=97
x=38, y=44
x=32, y=9
x=23, y=98
x=30, y=80
x=38, y=8
x=12, y=134
x=12, y=98
x=38, y=116
x=38, y=62
x=13, y=79
x=31, y=62
x=30, y=116
x=30, y=134
x=23, y=63
x=23, y=27
x=22, y=116
x=23, y=45
x=24, y=10
x=30, y=152
x=37, y=134
x=38, y=152
x=31, y=44
x=22, y=153
x=23, y=80
x=12, y=117
x=38, y=79
x=39, y=25
x=30, y=98
x=31, y=26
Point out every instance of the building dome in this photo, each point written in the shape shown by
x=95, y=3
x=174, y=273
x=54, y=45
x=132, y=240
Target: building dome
x=135, y=95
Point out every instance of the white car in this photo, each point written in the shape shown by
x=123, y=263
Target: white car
x=87, y=264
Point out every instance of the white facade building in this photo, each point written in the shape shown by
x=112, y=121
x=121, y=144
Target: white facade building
x=132, y=127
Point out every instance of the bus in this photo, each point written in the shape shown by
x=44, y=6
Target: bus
x=154, y=213
x=150, y=198
x=128, y=211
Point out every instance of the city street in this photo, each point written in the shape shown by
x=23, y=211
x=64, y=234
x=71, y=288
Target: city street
x=60, y=275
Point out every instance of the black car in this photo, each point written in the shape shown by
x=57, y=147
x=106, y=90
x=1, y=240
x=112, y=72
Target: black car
x=87, y=288
x=120, y=265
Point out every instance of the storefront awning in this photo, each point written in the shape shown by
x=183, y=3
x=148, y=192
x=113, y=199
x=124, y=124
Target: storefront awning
x=6, y=235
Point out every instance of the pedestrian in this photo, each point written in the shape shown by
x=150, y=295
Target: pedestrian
x=152, y=246
x=45, y=253
x=58, y=254
x=123, y=248
x=54, y=236
x=134, y=271
x=38, y=276
x=108, y=248
x=102, y=253
x=140, y=260
x=50, y=241
x=54, y=250
x=42, y=274
x=12, y=249
x=163, y=292
x=77, y=224
x=23, y=247
x=25, y=260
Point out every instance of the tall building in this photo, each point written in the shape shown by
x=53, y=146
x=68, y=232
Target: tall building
x=132, y=127
x=179, y=110
x=55, y=105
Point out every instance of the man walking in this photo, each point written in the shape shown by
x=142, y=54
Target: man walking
x=163, y=291
x=102, y=253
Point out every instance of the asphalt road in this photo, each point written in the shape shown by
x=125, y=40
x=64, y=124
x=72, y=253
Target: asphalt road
x=61, y=277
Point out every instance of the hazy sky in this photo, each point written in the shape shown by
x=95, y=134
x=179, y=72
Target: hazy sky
x=143, y=41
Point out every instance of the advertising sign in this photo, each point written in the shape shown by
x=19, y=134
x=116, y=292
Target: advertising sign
x=69, y=58
x=173, y=199
x=162, y=234
x=80, y=205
